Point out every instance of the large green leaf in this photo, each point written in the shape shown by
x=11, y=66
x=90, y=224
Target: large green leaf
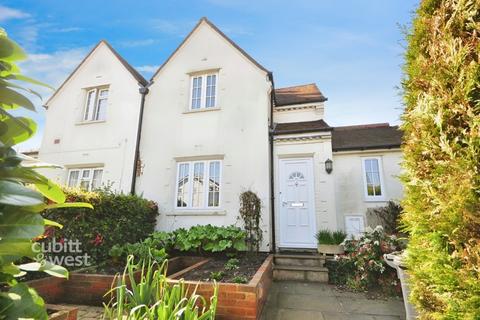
x=15, y=194
x=22, y=302
x=15, y=224
x=16, y=247
x=69, y=205
x=51, y=190
x=4, y=83
x=18, y=129
x=9, y=49
x=21, y=77
x=45, y=266
x=11, y=99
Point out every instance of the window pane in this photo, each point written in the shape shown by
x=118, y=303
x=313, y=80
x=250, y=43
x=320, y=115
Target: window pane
x=196, y=92
x=89, y=105
x=211, y=88
x=214, y=184
x=372, y=173
x=198, y=184
x=102, y=105
x=97, y=178
x=182, y=182
x=73, y=178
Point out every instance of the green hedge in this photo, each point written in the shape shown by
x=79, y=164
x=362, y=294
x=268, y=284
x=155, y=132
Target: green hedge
x=441, y=125
x=116, y=219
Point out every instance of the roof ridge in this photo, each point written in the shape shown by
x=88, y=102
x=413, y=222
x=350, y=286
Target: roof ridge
x=365, y=126
x=124, y=62
x=223, y=35
x=298, y=86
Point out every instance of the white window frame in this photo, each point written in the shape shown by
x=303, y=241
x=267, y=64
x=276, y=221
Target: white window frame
x=80, y=174
x=368, y=197
x=206, y=173
x=203, y=94
x=92, y=115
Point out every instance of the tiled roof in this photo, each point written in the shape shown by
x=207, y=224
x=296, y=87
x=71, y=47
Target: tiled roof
x=366, y=137
x=301, y=127
x=306, y=93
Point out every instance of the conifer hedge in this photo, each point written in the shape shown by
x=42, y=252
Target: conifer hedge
x=441, y=126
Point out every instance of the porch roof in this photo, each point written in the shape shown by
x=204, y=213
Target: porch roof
x=301, y=127
x=366, y=137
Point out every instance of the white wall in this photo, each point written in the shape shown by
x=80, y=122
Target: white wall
x=110, y=143
x=236, y=132
x=299, y=113
x=349, y=183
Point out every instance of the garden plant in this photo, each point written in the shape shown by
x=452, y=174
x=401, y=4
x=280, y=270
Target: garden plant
x=24, y=194
x=441, y=147
x=152, y=297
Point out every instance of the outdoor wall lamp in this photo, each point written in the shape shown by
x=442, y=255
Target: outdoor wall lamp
x=328, y=166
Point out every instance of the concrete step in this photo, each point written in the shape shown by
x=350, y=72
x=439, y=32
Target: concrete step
x=299, y=260
x=300, y=273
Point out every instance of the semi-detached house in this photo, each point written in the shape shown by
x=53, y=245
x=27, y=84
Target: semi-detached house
x=209, y=125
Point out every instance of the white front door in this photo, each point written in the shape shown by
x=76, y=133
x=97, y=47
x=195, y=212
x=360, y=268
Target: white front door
x=297, y=210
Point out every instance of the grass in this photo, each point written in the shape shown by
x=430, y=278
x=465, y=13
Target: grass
x=326, y=236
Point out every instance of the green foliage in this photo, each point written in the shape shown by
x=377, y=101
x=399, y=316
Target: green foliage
x=143, y=250
x=152, y=297
x=389, y=217
x=441, y=125
x=208, y=238
x=23, y=194
x=326, y=236
x=217, y=275
x=116, y=219
x=363, y=268
x=232, y=264
x=240, y=279
x=251, y=213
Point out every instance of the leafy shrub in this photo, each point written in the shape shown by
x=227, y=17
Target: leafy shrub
x=251, y=213
x=442, y=159
x=326, y=236
x=389, y=217
x=152, y=297
x=116, y=219
x=240, y=279
x=232, y=264
x=217, y=275
x=209, y=238
x=363, y=266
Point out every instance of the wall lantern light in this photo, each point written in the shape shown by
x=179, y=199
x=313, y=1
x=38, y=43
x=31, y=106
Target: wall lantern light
x=328, y=166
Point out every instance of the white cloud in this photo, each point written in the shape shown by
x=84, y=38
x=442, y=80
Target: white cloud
x=137, y=43
x=147, y=68
x=7, y=13
x=67, y=29
x=176, y=28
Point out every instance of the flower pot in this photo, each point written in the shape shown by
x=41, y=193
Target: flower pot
x=330, y=249
x=395, y=260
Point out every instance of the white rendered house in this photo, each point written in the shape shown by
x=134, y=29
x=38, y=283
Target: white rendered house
x=209, y=125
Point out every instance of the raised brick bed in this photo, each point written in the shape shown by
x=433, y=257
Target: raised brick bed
x=89, y=289
x=239, y=301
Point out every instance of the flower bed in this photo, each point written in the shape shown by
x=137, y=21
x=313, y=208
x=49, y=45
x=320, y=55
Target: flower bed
x=239, y=301
x=89, y=289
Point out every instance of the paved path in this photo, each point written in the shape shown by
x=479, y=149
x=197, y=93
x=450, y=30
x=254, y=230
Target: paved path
x=315, y=301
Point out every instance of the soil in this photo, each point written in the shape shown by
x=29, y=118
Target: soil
x=108, y=269
x=247, y=267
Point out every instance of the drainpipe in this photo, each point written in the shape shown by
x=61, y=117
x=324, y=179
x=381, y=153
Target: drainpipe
x=143, y=91
x=272, y=175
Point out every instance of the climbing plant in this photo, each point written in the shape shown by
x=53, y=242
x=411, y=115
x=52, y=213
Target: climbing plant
x=250, y=212
x=24, y=193
x=441, y=125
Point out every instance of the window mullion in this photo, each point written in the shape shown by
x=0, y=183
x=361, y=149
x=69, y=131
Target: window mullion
x=203, y=102
x=190, y=184
x=206, y=175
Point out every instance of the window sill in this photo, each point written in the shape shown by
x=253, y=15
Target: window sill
x=379, y=199
x=81, y=123
x=202, y=110
x=206, y=212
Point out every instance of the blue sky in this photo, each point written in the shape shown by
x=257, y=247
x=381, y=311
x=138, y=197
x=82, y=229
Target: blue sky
x=352, y=49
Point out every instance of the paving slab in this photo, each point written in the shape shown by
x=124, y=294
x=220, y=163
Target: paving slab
x=319, y=301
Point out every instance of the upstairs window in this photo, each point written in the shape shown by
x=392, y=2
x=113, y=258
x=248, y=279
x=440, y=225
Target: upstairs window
x=96, y=104
x=198, y=184
x=203, y=91
x=372, y=175
x=87, y=178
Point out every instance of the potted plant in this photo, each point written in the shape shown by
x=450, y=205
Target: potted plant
x=329, y=242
